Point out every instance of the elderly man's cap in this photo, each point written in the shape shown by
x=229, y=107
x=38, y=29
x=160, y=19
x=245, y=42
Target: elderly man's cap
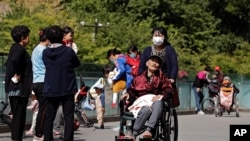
x=155, y=57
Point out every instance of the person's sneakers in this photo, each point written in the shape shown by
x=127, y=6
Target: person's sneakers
x=35, y=138
x=113, y=105
x=146, y=135
x=99, y=127
x=29, y=133
x=200, y=112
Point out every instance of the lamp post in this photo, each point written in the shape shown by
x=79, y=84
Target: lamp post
x=96, y=25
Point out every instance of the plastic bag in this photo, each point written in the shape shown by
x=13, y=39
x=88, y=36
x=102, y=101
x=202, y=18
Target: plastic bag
x=86, y=104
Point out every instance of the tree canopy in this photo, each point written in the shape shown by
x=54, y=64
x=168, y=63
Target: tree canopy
x=214, y=32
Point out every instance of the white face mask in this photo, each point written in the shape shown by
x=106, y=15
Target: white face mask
x=157, y=41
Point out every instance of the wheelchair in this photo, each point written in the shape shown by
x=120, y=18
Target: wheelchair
x=227, y=101
x=165, y=130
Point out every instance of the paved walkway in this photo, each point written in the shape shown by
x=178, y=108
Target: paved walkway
x=191, y=128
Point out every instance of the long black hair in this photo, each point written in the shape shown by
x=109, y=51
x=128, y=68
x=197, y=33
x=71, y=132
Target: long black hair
x=113, y=52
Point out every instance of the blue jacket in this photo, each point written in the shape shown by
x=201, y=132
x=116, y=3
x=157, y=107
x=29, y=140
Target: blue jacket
x=171, y=61
x=60, y=78
x=123, y=70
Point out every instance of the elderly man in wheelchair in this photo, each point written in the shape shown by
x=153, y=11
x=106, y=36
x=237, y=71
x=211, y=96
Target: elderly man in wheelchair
x=148, y=95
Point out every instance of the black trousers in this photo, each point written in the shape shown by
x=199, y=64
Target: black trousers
x=38, y=90
x=18, y=108
x=68, y=112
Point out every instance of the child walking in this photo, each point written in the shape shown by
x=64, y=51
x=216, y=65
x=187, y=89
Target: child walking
x=34, y=107
x=100, y=106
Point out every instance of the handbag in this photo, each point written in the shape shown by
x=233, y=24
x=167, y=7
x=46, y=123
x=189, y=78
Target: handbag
x=86, y=104
x=92, y=91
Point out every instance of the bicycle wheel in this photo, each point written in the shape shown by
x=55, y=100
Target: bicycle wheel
x=207, y=106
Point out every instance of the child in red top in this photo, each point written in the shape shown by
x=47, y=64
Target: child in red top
x=68, y=33
x=133, y=59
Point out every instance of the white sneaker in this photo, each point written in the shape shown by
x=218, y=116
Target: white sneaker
x=201, y=113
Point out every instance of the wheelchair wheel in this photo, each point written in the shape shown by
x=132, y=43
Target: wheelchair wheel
x=236, y=105
x=220, y=113
x=208, y=105
x=216, y=110
x=171, y=126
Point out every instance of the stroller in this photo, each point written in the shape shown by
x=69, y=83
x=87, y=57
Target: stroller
x=5, y=113
x=227, y=99
x=208, y=104
x=80, y=97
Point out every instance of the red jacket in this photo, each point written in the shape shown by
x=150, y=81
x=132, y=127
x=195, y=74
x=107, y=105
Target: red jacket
x=142, y=85
x=134, y=63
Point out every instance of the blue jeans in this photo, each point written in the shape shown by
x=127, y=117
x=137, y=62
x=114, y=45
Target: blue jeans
x=198, y=98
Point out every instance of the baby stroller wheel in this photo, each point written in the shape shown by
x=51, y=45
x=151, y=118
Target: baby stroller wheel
x=90, y=124
x=208, y=105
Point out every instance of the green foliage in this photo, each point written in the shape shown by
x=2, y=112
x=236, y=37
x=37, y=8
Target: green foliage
x=202, y=32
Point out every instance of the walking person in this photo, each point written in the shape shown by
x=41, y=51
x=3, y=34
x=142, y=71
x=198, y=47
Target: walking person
x=34, y=108
x=18, y=79
x=100, y=106
x=38, y=82
x=59, y=83
x=162, y=48
x=123, y=74
x=201, y=79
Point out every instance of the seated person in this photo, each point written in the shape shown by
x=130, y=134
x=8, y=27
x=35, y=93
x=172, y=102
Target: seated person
x=152, y=81
x=228, y=83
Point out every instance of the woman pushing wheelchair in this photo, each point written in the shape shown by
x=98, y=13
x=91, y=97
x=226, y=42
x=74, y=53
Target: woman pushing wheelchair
x=149, y=90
